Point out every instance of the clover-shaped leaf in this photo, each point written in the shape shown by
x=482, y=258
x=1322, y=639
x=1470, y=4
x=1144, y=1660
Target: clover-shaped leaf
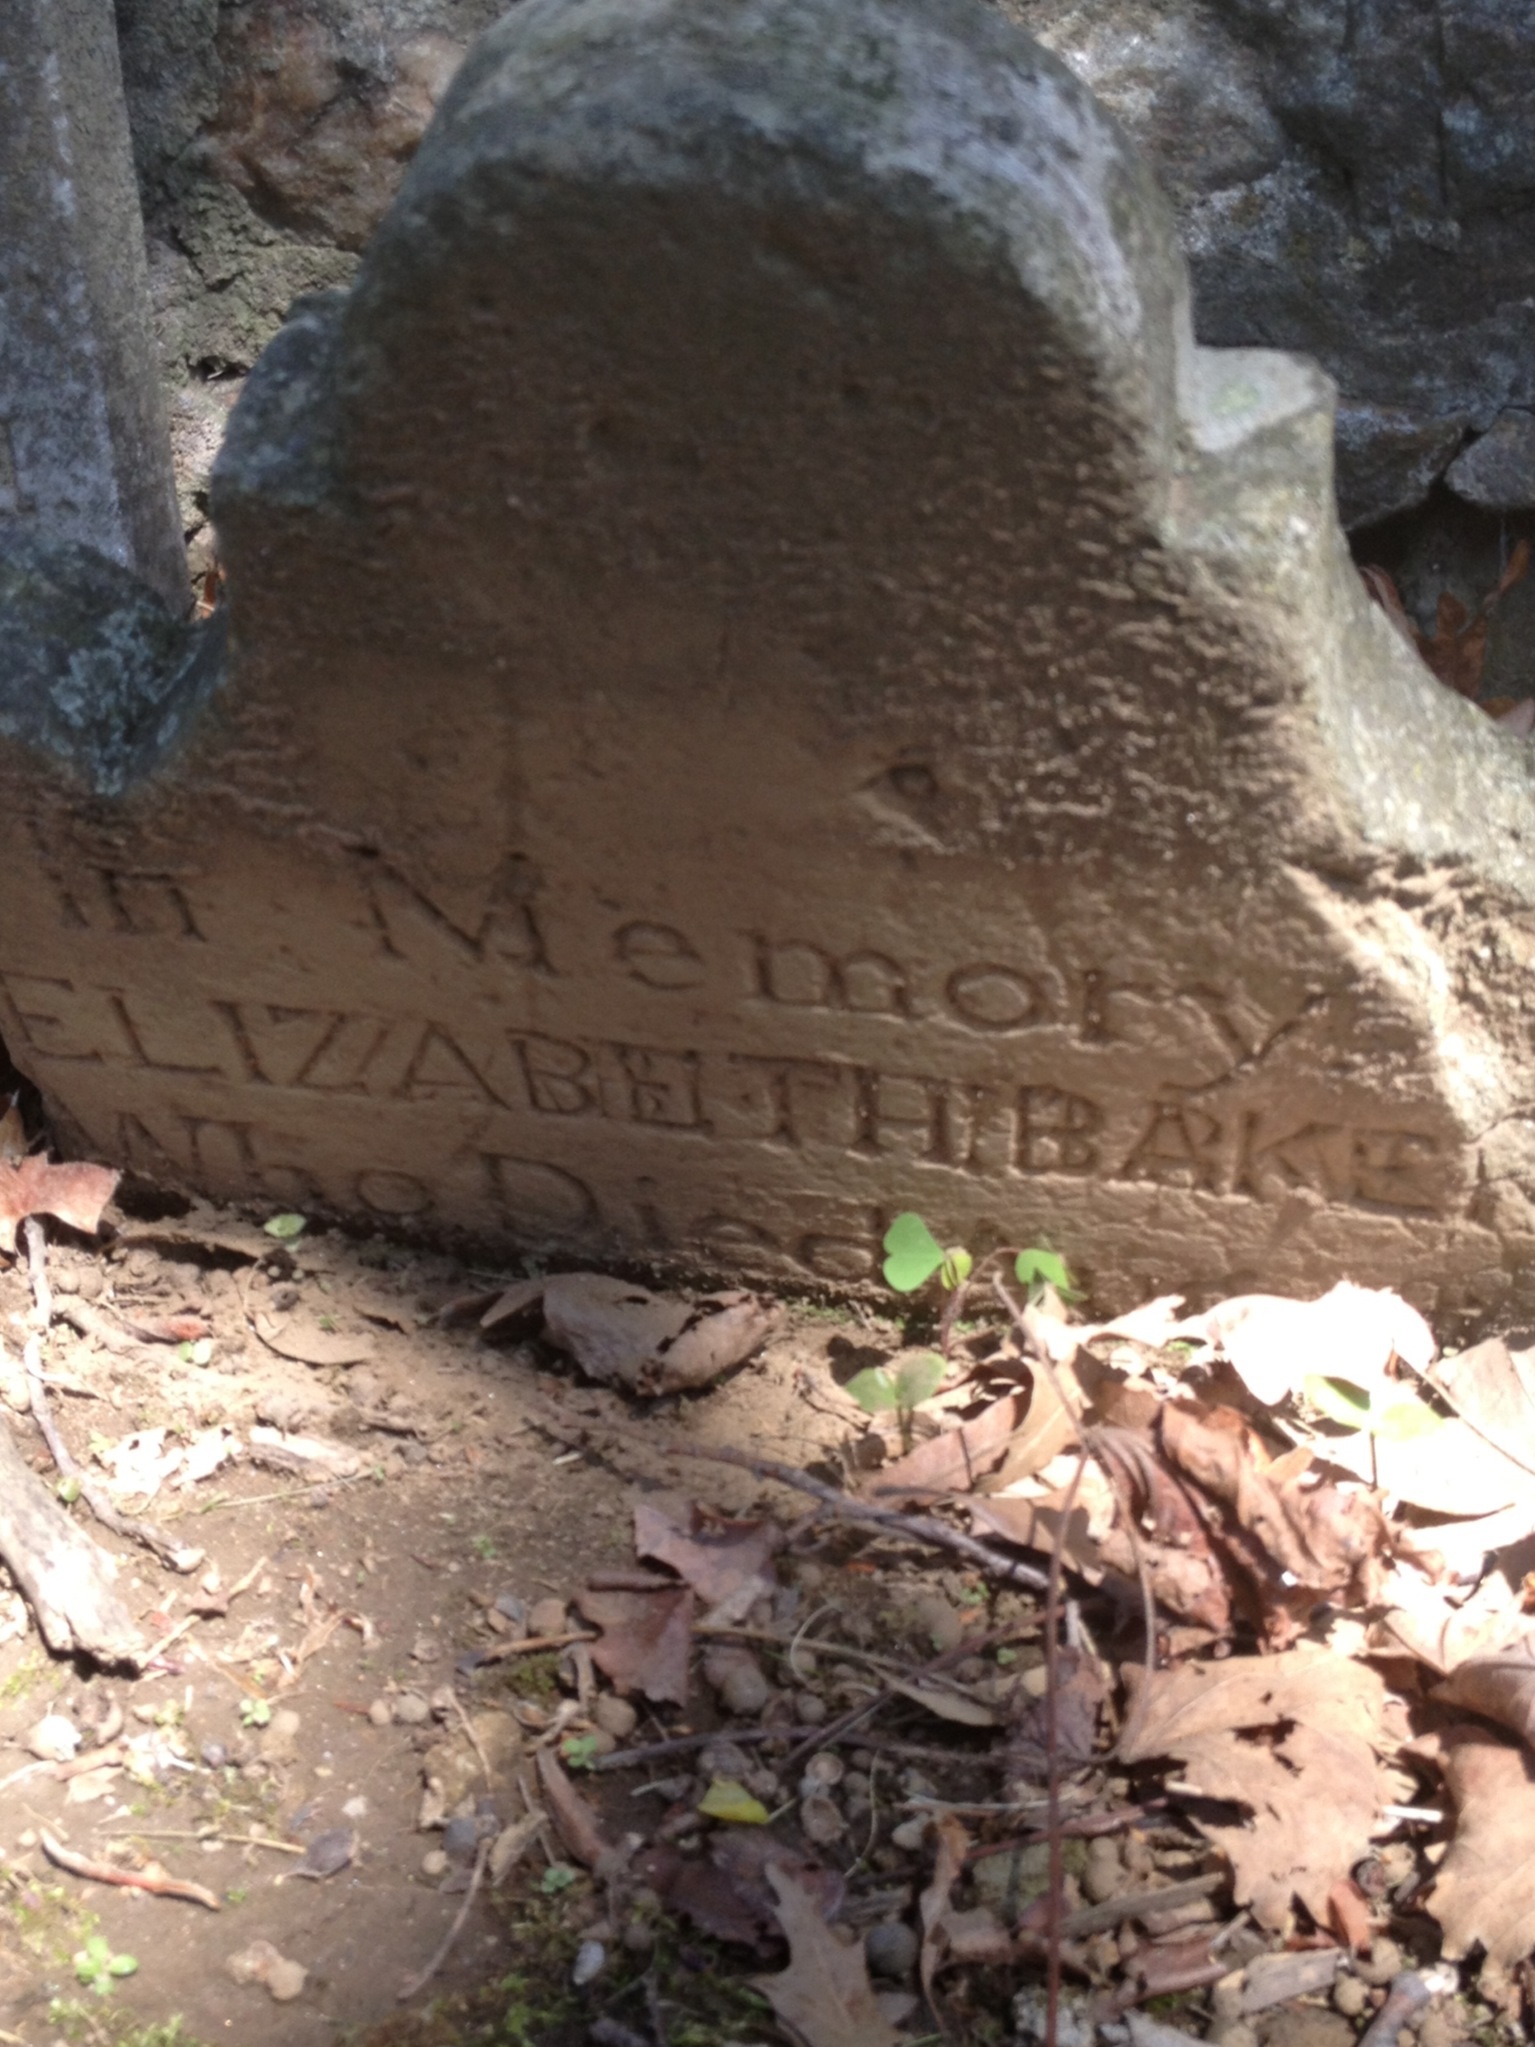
x=1039, y=1267
x=912, y=1253
x=918, y=1380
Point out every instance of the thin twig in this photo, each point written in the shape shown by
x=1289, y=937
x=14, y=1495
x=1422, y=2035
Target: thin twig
x=910, y=1527
x=422, y=1977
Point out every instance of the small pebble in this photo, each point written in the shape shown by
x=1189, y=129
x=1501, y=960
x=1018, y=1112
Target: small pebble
x=444, y=1700
x=822, y=1771
x=1232, y=2033
x=639, y=1936
x=741, y=1683
x=810, y=1709
x=411, y=1710
x=1104, y=1876
x=1435, y=2029
x=1385, y=1961
x=821, y=1819
x=285, y=1980
x=891, y=1949
x=590, y=1957
x=214, y=1754
x=279, y=1741
x=434, y=1864
x=513, y=1609
x=1226, y=1998
x=940, y=1622
x=380, y=1713
x=548, y=1617
x=910, y=1834
x=615, y=1716
x=1350, y=1996
x=53, y=1739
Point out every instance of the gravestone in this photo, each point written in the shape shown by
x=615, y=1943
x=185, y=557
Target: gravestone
x=772, y=684
x=84, y=450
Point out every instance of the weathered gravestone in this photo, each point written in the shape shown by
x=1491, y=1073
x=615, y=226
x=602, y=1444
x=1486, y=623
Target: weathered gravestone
x=774, y=684
x=84, y=453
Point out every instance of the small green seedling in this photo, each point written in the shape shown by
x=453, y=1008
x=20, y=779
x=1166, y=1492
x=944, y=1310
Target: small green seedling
x=97, y=1966
x=1040, y=1267
x=556, y=1879
x=913, y=1254
x=198, y=1353
x=255, y=1713
x=1383, y=1407
x=878, y=1390
x=285, y=1227
x=579, y=1751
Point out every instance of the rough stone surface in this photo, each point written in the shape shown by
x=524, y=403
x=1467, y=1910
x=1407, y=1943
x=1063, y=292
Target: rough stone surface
x=774, y=684
x=83, y=453
x=1352, y=179
x=270, y=136
x=1498, y=471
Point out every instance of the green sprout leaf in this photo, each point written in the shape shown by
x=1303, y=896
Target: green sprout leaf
x=255, y=1713
x=918, y=1380
x=68, y=1489
x=1039, y=1267
x=579, y=1750
x=556, y=1879
x=285, y=1227
x=874, y=1390
x=912, y=1253
x=956, y=1268
x=1339, y=1399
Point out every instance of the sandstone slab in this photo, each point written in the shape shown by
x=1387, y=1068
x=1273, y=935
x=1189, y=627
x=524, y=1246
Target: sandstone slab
x=773, y=683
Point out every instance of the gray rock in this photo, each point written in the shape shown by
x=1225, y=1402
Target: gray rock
x=891, y=1949
x=1351, y=182
x=1498, y=470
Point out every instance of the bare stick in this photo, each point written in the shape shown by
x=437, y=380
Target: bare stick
x=422, y=1977
x=911, y=1527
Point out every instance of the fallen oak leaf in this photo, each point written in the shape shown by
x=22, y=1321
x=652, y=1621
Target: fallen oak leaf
x=725, y=1562
x=1309, y=1684
x=952, y=1461
x=1351, y=1332
x=1501, y=1686
x=824, y=1996
x=1485, y=1888
x=646, y=1639
x=76, y=1194
x=652, y=1343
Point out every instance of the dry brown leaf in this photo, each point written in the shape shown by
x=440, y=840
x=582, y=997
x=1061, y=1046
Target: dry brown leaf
x=946, y=1702
x=575, y=1821
x=1500, y=1686
x=1314, y=1791
x=1300, y=1539
x=1314, y=1800
x=167, y=1328
x=727, y=1563
x=1485, y=1889
x=647, y=1638
x=652, y=1343
x=1348, y=1915
x=824, y=1996
x=1493, y=1387
x=950, y=1936
x=951, y=1462
x=301, y=1338
x=76, y=1194
x=725, y=1893
x=1453, y=1471
x=1048, y=1426
x=1307, y=1684
x=1350, y=1333
x=1081, y=1688
x=1420, y=1619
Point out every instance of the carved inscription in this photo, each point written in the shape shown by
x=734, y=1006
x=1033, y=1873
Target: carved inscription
x=492, y=1073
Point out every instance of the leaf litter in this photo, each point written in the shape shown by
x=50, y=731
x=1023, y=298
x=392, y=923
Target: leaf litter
x=758, y=1734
